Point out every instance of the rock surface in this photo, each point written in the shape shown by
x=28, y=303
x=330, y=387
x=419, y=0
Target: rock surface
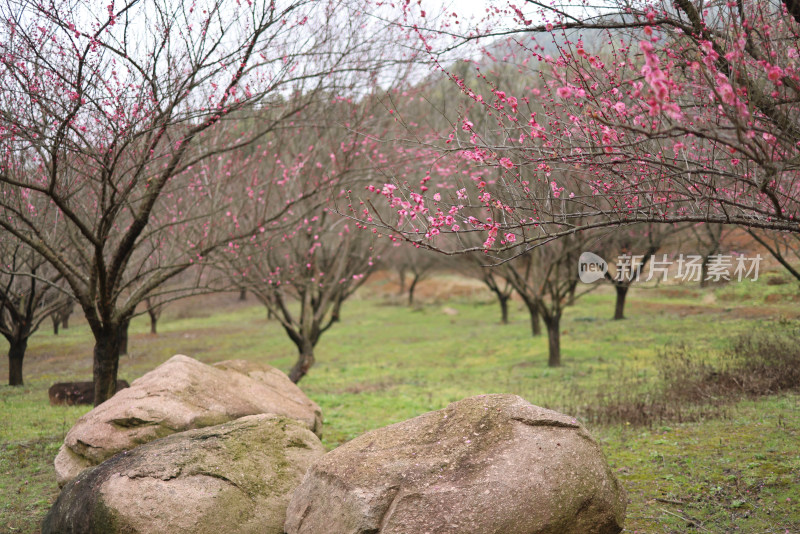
x=72, y=393
x=232, y=478
x=492, y=464
x=180, y=394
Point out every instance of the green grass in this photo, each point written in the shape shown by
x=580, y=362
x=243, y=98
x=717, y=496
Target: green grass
x=385, y=363
x=739, y=474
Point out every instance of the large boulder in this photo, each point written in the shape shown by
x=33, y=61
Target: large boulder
x=492, y=464
x=180, y=394
x=236, y=477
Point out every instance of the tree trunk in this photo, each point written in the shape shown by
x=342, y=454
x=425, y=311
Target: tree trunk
x=503, y=308
x=411, y=289
x=106, y=363
x=16, y=353
x=153, y=321
x=619, y=310
x=123, y=337
x=704, y=272
x=402, y=275
x=536, y=325
x=554, y=341
x=571, y=299
x=56, y=323
x=305, y=360
x=242, y=294
x=65, y=319
x=336, y=313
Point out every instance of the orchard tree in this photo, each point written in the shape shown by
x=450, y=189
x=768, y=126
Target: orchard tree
x=304, y=276
x=492, y=271
x=628, y=251
x=708, y=238
x=677, y=113
x=413, y=265
x=304, y=265
x=30, y=292
x=154, y=309
x=60, y=317
x=108, y=112
x=475, y=265
x=500, y=287
x=547, y=277
x=519, y=272
x=783, y=246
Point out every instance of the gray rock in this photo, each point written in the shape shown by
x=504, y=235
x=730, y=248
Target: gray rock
x=486, y=464
x=180, y=394
x=232, y=478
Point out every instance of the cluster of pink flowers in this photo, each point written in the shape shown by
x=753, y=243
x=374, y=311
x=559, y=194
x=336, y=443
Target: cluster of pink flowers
x=660, y=84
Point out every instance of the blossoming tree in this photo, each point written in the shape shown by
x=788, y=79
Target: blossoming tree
x=306, y=263
x=677, y=112
x=107, y=109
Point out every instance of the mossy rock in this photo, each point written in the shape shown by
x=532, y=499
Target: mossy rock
x=180, y=394
x=236, y=477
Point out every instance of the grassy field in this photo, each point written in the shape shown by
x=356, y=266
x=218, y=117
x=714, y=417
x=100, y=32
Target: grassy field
x=735, y=471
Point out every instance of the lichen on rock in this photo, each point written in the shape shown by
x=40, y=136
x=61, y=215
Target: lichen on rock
x=181, y=394
x=234, y=477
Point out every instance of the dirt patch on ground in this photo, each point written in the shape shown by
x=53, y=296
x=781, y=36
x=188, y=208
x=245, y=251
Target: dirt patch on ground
x=208, y=305
x=680, y=292
x=741, y=312
x=440, y=287
x=369, y=387
x=781, y=297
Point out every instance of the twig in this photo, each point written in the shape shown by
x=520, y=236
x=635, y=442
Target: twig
x=693, y=522
x=668, y=501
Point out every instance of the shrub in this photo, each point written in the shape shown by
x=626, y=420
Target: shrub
x=766, y=361
x=693, y=384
